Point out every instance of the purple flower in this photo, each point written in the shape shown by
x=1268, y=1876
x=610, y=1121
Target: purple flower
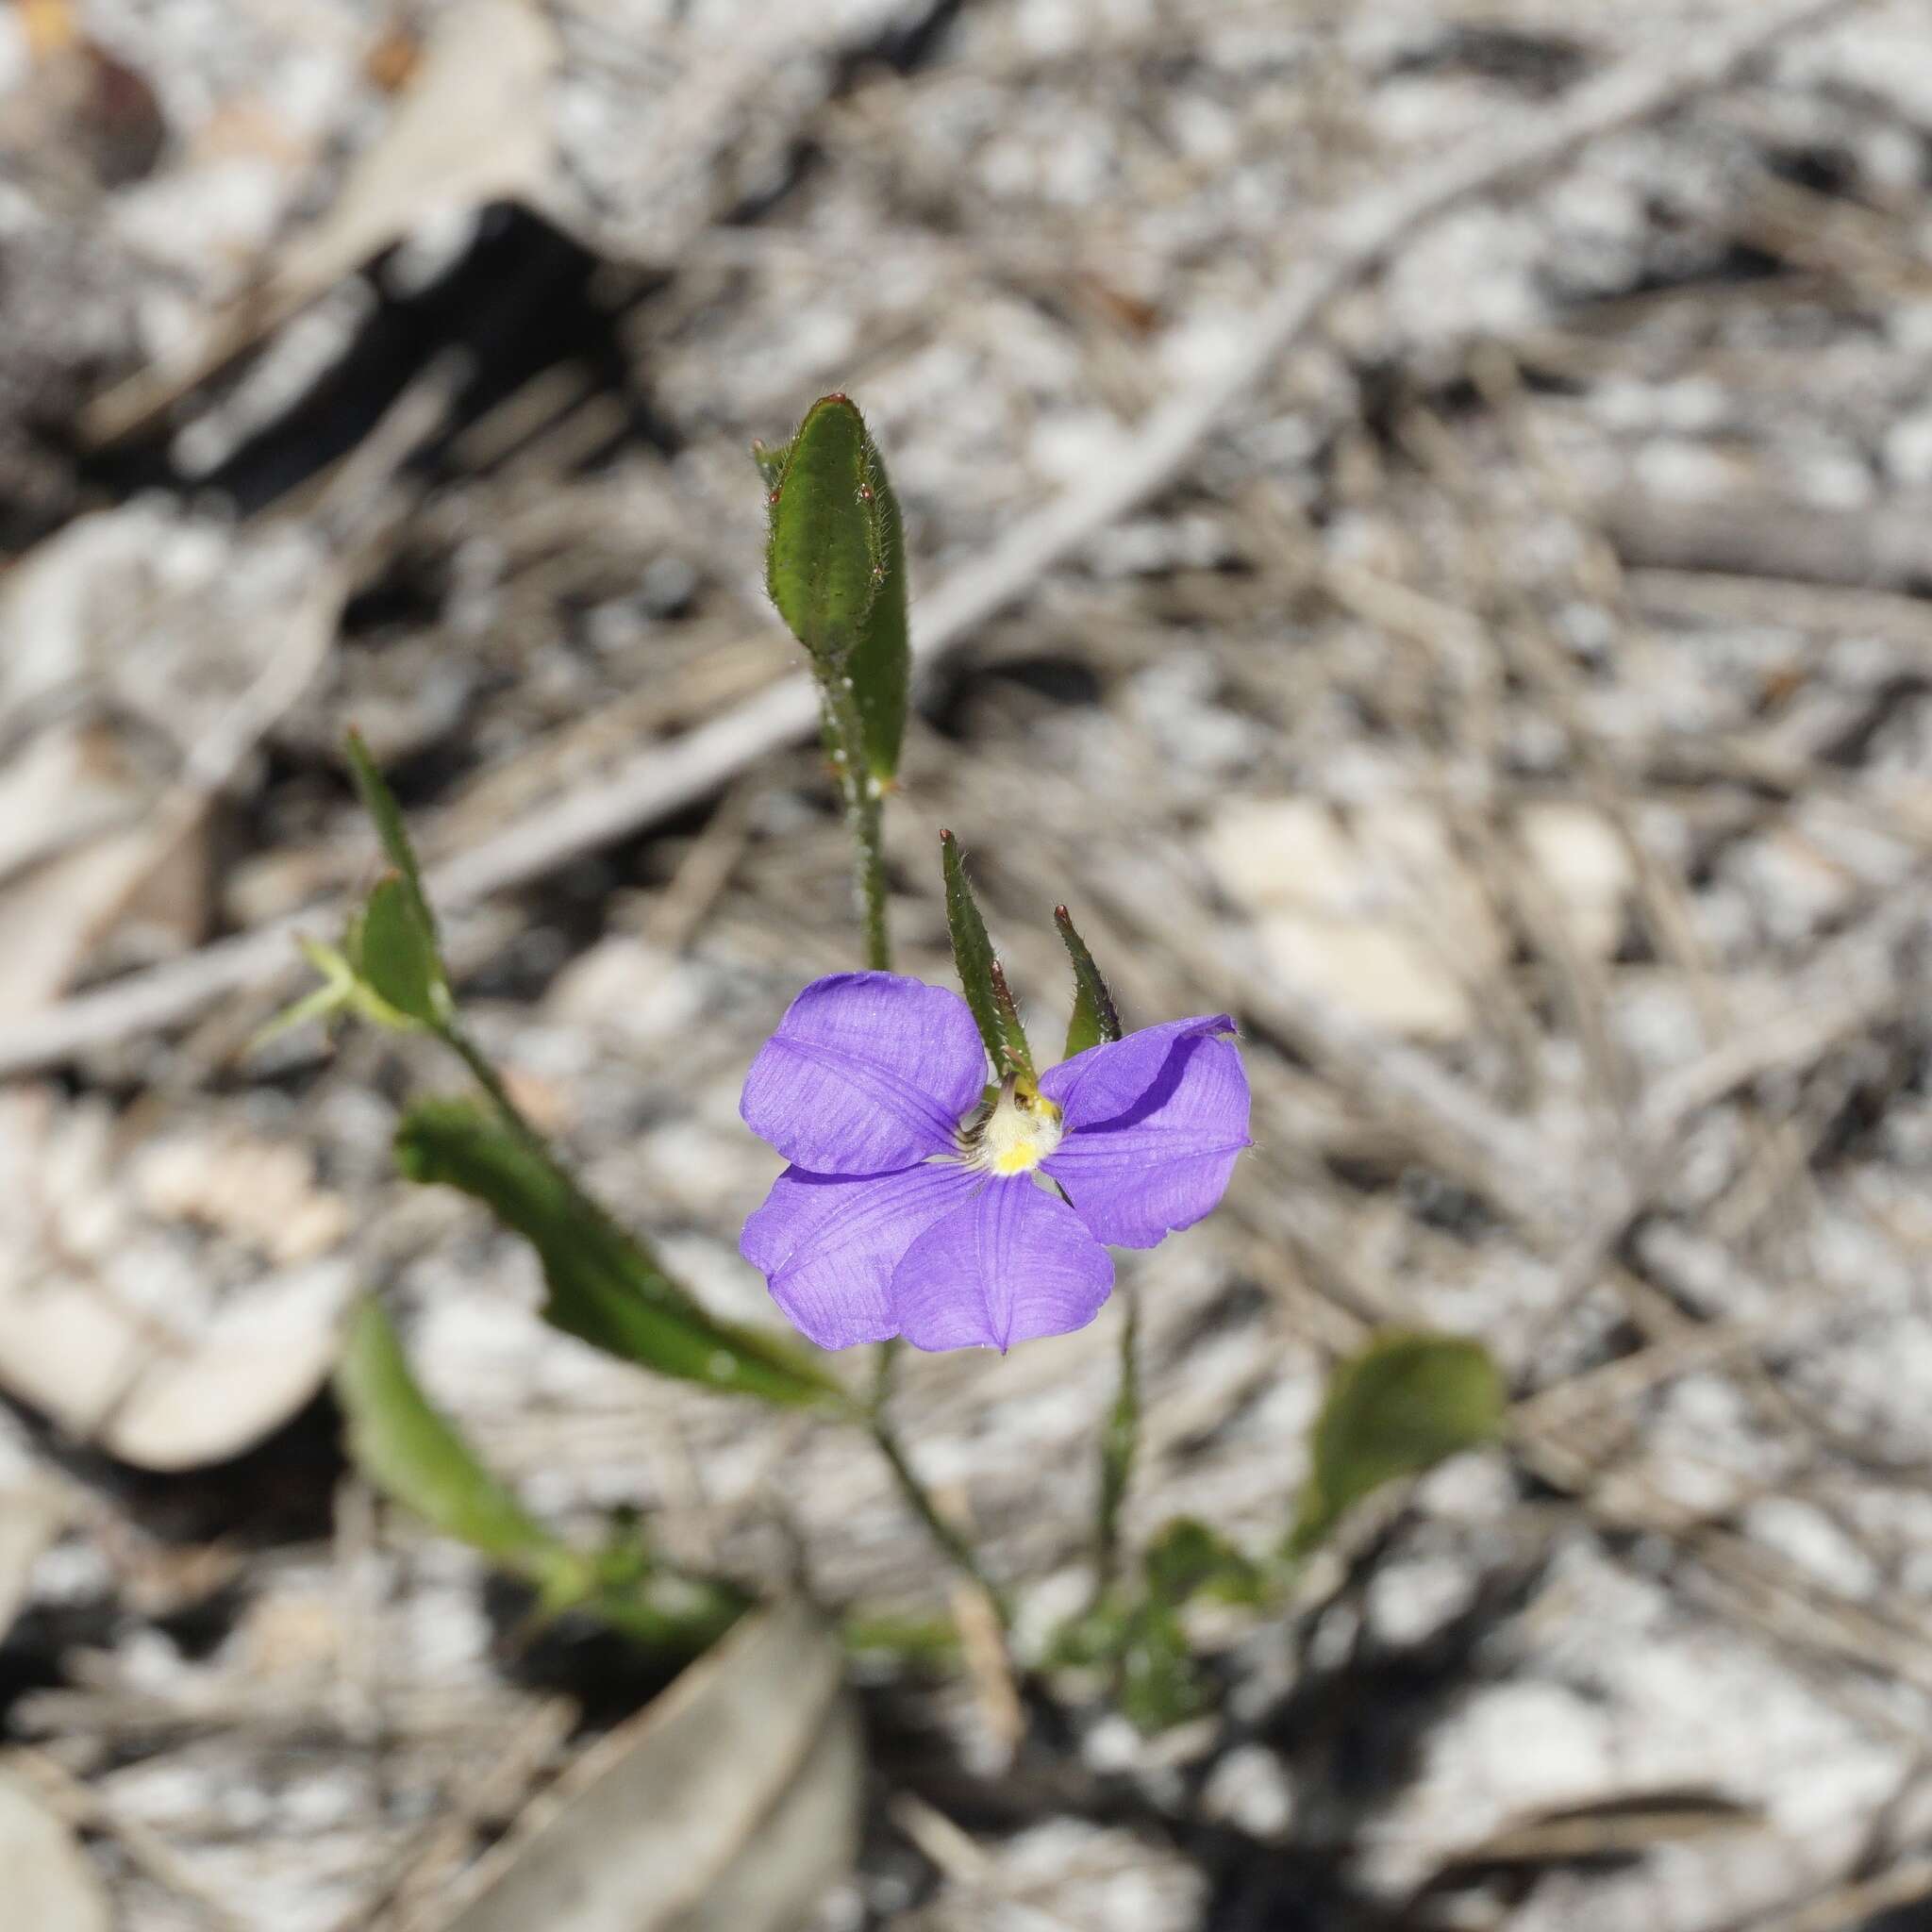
x=912, y=1206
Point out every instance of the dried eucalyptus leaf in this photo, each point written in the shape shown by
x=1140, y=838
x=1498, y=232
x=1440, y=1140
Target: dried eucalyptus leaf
x=730, y=1805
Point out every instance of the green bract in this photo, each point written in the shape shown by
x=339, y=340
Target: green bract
x=834, y=564
x=981, y=978
x=1094, y=1017
x=395, y=954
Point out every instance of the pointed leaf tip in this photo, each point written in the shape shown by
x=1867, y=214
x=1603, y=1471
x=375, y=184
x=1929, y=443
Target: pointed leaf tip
x=380, y=804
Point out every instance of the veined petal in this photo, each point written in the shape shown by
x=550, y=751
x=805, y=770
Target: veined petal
x=867, y=1072
x=1008, y=1265
x=827, y=1244
x=1137, y=1168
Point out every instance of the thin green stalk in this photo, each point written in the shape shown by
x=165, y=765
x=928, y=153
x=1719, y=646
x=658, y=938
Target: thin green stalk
x=1120, y=1443
x=958, y=1551
x=453, y=1034
x=961, y=1554
x=864, y=814
x=883, y=1362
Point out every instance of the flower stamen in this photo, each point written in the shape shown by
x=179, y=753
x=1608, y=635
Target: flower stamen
x=1012, y=1131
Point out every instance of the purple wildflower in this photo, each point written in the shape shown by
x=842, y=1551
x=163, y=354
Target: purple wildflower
x=910, y=1205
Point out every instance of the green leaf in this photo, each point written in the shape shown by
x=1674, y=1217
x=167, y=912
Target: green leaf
x=825, y=556
x=415, y=1456
x=1096, y=1017
x=659, y=1607
x=1141, y=1634
x=397, y=954
x=981, y=977
x=1399, y=1406
x=921, y=1642
x=380, y=804
x=1160, y=1684
x=604, y=1287
x=1189, y=1560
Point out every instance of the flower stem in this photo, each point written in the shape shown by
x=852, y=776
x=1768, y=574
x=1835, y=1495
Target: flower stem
x=1120, y=1443
x=958, y=1551
x=952, y=1541
x=454, y=1036
x=863, y=814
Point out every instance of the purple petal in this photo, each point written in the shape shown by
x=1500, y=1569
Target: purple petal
x=867, y=1072
x=827, y=1243
x=1008, y=1265
x=1154, y=1126
x=1105, y=1082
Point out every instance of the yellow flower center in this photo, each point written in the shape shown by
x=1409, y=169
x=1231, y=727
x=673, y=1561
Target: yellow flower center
x=1017, y=1132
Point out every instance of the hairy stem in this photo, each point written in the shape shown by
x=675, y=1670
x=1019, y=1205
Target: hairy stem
x=1119, y=1444
x=864, y=814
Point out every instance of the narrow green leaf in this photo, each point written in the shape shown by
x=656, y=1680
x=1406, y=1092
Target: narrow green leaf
x=604, y=1287
x=880, y=667
x=1161, y=1682
x=397, y=953
x=825, y=556
x=1399, y=1406
x=981, y=977
x=1096, y=1017
x=380, y=804
x=415, y=1456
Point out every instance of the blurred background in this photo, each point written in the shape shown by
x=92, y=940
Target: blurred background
x=1506, y=686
